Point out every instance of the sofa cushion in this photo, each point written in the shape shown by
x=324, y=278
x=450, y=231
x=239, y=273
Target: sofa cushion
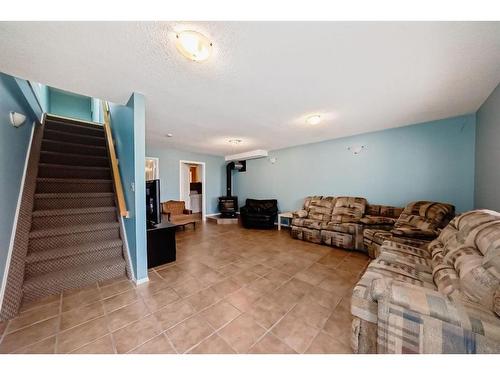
x=415, y=232
x=308, y=200
x=377, y=220
x=425, y=215
x=307, y=223
x=496, y=302
x=321, y=209
x=407, y=254
x=457, y=256
x=348, y=209
x=374, y=238
x=478, y=263
x=384, y=211
x=343, y=228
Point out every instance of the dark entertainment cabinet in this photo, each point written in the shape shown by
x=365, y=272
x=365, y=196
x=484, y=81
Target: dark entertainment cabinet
x=161, y=244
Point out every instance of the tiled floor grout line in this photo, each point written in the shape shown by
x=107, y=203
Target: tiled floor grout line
x=272, y=326
x=301, y=264
x=321, y=329
x=152, y=313
x=113, y=343
x=215, y=330
x=58, y=324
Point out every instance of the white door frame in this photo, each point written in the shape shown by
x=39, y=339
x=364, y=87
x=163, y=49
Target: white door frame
x=203, y=185
x=157, y=166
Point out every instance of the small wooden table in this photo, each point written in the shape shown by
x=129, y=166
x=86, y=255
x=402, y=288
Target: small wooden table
x=286, y=215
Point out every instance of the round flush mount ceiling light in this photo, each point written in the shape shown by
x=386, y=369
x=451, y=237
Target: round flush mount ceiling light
x=193, y=45
x=169, y=135
x=313, y=120
x=235, y=141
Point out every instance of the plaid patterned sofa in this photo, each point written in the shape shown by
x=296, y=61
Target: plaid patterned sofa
x=331, y=221
x=418, y=224
x=441, y=298
x=340, y=221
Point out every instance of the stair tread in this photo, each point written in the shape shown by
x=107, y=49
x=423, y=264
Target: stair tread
x=72, y=272
x=67, y=154
x=73, y=211
x=97, y=127
x=63, y=133
x=71, y=144
x=66, y=251
x=73, y=195
x=73, y=180
x=73, y=229
x=51, y=117
x=66, y=166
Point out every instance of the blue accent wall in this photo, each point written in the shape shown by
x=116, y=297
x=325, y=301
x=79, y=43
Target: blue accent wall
x=487, y=193
x=14, y=144
x=67, y=104
x=41, y=92
x=431, y=161
x=169, y=173
x=128, y=127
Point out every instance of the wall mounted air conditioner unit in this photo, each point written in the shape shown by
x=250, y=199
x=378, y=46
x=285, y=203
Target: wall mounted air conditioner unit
x=255, y=154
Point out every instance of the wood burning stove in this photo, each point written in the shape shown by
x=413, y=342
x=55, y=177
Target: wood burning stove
x=228, y=205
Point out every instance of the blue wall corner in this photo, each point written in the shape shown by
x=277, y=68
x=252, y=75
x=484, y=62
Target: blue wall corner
x=487, y=177
x=128, y=127
x=14, y=144
x=67, y=104
x=430, y=161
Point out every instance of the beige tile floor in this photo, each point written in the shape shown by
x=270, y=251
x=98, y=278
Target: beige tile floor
x=231, y=290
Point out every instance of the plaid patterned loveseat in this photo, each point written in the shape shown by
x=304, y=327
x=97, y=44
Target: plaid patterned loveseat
x=418, y=224
x=442, y=298
x=330, y=221
x=340, y=221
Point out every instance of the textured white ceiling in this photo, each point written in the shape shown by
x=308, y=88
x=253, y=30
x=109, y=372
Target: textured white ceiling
x=265, y=77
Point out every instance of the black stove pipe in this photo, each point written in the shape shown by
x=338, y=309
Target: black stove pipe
x=240, y=166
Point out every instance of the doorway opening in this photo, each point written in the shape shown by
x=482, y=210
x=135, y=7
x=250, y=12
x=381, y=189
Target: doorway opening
x=192, y=185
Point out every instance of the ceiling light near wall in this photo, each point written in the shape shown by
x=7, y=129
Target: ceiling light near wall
x=193, y=45
x=235, y=141
x=313, y=120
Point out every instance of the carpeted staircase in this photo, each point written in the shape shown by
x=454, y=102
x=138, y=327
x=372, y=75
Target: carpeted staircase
x=75, y=236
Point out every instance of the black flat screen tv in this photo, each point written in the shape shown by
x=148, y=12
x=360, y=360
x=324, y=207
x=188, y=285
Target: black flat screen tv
x=153, y=210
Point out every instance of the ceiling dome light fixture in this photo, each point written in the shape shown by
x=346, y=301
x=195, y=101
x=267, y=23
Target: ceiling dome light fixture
x=313, y=120
x=193, y=45
x=235, y=141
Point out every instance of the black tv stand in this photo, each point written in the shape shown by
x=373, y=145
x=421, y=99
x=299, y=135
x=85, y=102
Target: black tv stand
x=161, y=244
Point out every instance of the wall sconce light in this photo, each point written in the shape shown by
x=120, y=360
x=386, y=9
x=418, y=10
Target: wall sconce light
x=356, y=150
x=17, y=119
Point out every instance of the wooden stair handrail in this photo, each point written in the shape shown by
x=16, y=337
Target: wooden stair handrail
x=117, y=181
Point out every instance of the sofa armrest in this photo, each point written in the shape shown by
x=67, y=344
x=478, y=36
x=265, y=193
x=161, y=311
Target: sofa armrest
x=300, y=214
x=413, y=319
x=432, y=303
